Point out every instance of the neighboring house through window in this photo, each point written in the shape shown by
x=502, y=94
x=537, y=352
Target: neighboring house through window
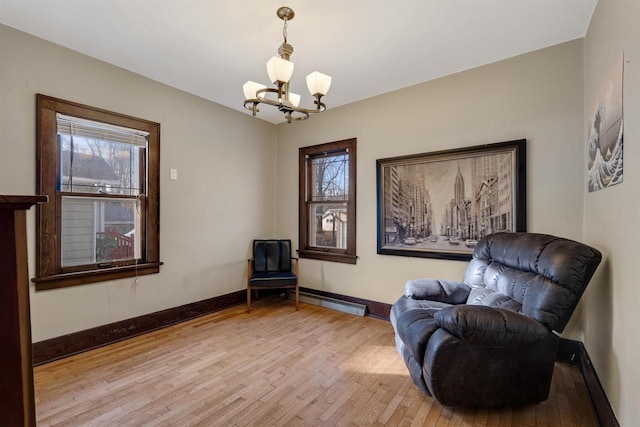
x=328, y=201
x=101, y=173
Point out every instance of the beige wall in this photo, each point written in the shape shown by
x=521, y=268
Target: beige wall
x=208, y=220
x=537, y=96
x=225, y=163
x=612, y=217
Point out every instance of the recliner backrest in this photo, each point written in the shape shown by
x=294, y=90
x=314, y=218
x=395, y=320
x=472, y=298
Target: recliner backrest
x=538, y=275
x=271, y=255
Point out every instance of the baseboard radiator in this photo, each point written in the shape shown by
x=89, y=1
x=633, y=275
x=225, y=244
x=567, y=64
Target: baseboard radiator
x=332, y=303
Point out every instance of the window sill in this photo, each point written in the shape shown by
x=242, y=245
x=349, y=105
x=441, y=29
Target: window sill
x=328, y=256
x=64, y=280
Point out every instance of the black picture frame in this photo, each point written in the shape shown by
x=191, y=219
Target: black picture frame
x=437, y=205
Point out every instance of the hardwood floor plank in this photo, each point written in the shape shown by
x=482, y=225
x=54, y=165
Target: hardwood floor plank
x=390, y=409
x=275, y=366
x=426, y=407
x=445, y=417
x=434, y=413
x=482, y=418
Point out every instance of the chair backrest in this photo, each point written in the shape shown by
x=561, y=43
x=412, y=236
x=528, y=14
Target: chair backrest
x=271, y=256
x=538, y=275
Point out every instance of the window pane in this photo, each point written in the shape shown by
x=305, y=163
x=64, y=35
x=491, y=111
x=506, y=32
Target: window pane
x=330, y=178
x=96, y=230
x=99, y=166
x=328, y=225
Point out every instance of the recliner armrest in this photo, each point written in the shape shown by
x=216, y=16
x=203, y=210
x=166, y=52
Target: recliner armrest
x=478, y=324
x=446, y=291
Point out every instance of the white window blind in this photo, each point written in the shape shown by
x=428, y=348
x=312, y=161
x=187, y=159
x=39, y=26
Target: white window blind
x=69, y=125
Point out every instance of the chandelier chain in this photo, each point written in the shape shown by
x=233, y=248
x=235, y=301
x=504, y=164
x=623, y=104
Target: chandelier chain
x=284, y=30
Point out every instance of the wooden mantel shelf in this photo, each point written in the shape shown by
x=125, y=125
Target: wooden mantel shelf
x=20, y=202
x=17, y=403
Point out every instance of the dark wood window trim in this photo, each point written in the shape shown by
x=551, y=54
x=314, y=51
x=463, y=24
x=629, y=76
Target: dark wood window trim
x=49, y=272
x=305, y=250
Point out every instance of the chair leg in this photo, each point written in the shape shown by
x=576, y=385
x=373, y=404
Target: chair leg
x=248, y=286
x=297, y=283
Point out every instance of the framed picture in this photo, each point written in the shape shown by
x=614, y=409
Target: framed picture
x=438, y=205
x=606, y=133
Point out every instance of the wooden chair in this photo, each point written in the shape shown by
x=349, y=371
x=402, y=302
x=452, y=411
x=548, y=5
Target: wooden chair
x=271, y=268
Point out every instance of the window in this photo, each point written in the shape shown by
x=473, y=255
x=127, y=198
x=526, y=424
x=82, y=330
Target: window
x=328, y=201
x=101, y=173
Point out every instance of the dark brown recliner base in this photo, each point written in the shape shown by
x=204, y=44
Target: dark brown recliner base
x=492, y=376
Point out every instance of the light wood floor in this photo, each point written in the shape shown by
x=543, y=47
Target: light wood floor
x=274, y=366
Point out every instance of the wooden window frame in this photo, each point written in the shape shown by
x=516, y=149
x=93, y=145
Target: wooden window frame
x=348, y=255
x=49, y=271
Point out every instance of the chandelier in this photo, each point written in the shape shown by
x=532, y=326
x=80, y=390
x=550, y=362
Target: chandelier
x=280, y=70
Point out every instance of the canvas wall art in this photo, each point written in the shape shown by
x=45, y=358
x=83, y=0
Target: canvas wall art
x=438, y=205
x=605, y=145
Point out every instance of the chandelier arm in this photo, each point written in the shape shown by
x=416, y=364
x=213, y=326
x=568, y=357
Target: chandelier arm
x=301, y=110
x=288, y=109
x=253, y=107
x=252, y=104
x=319, y=109
x=267, y=101
x=290, y=117
x=260, y=99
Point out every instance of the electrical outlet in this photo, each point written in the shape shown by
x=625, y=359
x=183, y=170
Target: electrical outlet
x=174, y=174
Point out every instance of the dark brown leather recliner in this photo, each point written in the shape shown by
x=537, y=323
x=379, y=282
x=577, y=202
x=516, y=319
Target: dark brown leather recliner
x=489, y=340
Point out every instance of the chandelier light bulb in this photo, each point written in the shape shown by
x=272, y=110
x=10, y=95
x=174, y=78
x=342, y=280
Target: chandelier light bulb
x=318, y=83
x=250, y=88
x=294, y=98
x=279, y=70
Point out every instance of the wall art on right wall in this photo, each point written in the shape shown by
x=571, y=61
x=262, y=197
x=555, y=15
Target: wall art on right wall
x=605, y=143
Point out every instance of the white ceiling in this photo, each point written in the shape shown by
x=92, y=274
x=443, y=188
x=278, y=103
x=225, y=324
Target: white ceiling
x=210, y=48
